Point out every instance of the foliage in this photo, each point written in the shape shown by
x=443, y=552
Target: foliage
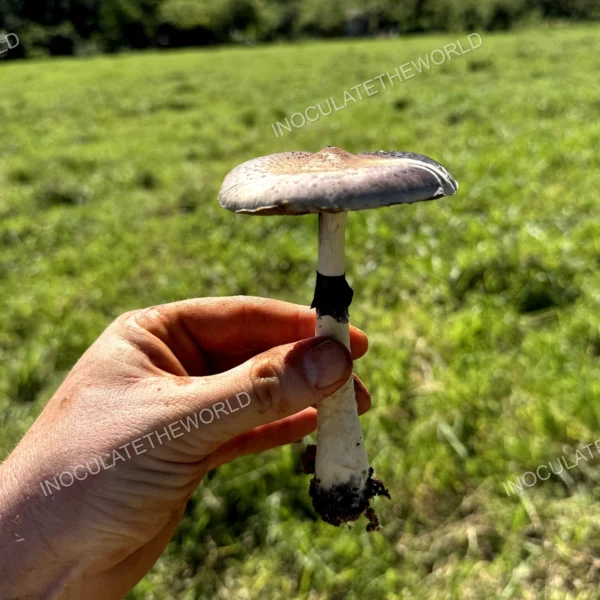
x=483, y=311
x=84, y=26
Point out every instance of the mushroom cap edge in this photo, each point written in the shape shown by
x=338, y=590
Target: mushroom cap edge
x=332, y=180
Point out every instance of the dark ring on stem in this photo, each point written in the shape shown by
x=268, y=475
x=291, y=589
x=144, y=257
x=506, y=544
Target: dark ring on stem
x=332, y=297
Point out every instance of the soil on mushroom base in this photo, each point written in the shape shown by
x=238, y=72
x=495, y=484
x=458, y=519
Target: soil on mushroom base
x=338, y=504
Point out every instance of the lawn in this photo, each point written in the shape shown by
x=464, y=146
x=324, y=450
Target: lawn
x=483, y=310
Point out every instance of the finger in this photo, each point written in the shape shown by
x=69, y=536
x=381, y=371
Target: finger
x=269, y=387
x=363, y=398
x=279, y=433
x=236, y=325
x=219, y=364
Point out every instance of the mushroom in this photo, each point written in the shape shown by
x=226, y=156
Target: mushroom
x=331, y=183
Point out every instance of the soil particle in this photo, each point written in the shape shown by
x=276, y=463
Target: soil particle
x=307, y=464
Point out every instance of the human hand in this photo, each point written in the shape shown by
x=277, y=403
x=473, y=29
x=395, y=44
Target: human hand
x=175, y=390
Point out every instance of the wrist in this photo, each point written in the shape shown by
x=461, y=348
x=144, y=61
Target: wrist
x=32, y=565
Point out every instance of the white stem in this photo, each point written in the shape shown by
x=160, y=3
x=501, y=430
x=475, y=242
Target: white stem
x=341, y=456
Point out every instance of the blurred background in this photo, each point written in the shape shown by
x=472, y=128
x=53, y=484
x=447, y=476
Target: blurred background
x=482, y=310
x=83, y=27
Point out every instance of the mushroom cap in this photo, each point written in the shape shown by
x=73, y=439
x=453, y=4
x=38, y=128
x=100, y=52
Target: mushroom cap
x=332, y=180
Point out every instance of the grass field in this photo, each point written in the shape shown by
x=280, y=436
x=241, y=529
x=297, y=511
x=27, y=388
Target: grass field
x=483, y=311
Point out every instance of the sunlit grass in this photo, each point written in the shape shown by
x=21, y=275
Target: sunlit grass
x=483, y=310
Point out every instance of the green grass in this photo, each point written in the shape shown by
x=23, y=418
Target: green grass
x=483, y=310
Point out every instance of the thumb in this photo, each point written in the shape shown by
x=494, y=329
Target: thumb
x=268, y=387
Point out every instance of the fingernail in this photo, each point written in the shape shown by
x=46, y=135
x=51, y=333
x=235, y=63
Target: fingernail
x=326, y=364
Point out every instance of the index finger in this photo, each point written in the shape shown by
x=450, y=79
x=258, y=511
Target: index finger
x=238, y=324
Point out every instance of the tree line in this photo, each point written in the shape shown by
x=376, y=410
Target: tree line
x=66, y=27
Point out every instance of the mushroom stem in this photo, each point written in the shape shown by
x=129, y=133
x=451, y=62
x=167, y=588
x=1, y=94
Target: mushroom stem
x=332, y=244
x=339, y=489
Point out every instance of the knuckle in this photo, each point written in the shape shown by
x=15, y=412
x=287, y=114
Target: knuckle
x=153, y=315
x=123, y=318
x=266, y=386
x=151, y=318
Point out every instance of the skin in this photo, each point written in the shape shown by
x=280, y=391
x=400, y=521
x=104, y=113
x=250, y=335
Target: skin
x=148, y=370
